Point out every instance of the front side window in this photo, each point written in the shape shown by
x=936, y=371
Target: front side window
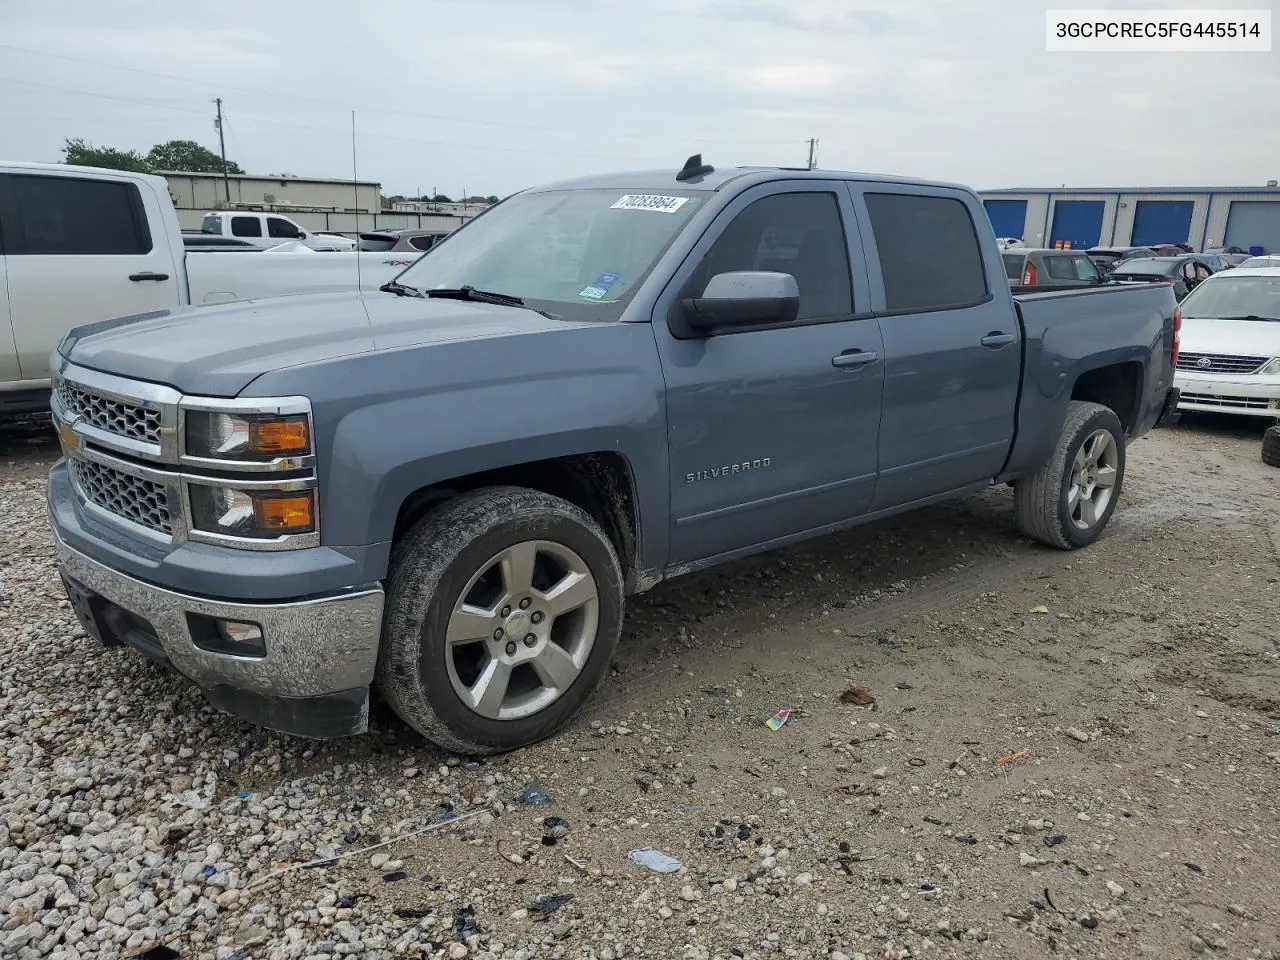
x=72, y=217
x=246, y=227
x=580, y=254
x=1084, y=269
x=796, y=233
x=929, y=253
x=281, y=228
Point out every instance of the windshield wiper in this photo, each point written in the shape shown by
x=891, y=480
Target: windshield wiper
x=1253, y=316
x=485, y=296
x=400, y=289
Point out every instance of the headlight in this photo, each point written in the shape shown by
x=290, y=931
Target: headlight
x=251, y=514
x=1272, y=368
x=254, y=437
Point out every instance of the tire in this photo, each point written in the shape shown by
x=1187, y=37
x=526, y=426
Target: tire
x=1044, y=501
x=1271, y=446
x=508, y=532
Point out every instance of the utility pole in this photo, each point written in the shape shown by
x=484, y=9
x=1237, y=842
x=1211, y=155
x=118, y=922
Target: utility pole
x=222, y=145
x=813, y=154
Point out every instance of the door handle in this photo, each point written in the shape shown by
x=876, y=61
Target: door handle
x=995, y=339
x=148, y=275
x=854, y=358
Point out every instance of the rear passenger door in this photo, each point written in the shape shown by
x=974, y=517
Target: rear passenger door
x=79, y=250
x=952, y=348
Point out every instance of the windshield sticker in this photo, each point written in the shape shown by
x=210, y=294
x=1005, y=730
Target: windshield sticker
x=600, y=286
x=649, y=201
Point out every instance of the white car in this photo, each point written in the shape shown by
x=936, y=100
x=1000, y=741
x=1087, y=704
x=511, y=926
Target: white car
x=1230, y=356
x=84, y=244
x=1007, y=242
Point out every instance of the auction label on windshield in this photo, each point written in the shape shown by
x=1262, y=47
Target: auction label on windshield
x=649, y=201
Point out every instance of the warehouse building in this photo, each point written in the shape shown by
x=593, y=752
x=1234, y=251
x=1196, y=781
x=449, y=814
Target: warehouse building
x=1204, y=217
x=208, y=191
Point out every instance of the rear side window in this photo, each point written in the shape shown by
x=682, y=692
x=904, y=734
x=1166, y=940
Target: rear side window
x=1059, y=268
x=246, y=227
x=1013, y=265
x=67, y=216
x=212, y=224
x=422, y=243
x=929, y=252
x=375, y=243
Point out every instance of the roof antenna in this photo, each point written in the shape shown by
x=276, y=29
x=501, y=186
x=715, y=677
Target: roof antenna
x=694, y=167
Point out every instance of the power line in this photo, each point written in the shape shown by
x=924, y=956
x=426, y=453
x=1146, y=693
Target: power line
x=366, y=109
x=102, y=96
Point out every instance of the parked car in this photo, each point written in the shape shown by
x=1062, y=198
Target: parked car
x=1170, y=249
x=1052, y=268
x=1231, y=336
x=447, y=489
x=397, y=241
x=1105, y=258
x=1239, y=251
x=269, y=229
x=1184, y=272
x=82, y=244
x=1273, y=261
x=1006, y=242
x=1232, y=259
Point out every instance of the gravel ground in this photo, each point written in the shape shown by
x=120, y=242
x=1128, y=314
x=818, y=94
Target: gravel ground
x=1044, y=753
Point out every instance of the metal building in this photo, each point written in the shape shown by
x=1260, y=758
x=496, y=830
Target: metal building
x=1204, y=217
x=208, y=191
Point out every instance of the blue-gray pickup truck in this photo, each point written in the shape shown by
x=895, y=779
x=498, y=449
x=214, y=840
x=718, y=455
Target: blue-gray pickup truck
x=445, y=489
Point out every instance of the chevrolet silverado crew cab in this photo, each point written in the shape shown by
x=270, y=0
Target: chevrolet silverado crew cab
x=81, y=244
x=445, y=490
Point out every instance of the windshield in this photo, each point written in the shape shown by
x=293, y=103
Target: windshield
x=579, y=254
x=1261, y=262
x=1232, y=296
x=1145, y=266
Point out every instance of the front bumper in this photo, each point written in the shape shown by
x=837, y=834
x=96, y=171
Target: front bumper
x=313, y=680
x=1255, y=395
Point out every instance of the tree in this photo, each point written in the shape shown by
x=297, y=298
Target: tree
x=440, y=198
x=76, y=151
x=491, y=198
x=188, y=156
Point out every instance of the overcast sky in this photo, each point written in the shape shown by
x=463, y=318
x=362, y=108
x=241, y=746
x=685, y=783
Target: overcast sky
x=495, y=95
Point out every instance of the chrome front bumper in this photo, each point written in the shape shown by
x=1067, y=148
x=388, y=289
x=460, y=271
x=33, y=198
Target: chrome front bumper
x=320, y=653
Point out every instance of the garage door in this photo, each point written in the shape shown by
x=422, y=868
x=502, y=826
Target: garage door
x=1161, y=221
x=1079, y=221
x=1008, y=217
x=1254, y=223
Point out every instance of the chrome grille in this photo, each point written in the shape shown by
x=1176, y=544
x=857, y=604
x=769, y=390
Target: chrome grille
x=145, y=502
x=1217, y=400
x=1220, y=363
x=109, y=415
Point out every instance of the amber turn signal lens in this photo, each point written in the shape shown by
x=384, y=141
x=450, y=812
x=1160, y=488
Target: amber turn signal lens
x=285, y=513
x=285, y=435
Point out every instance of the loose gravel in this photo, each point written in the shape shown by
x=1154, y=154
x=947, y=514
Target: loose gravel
x=1047, y=753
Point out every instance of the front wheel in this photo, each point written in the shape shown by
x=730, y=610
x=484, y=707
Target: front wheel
x=504, y=608
x=1069, y=501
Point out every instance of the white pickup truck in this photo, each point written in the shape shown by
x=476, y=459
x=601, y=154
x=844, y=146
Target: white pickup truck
x=269, y=230
x=81, y=244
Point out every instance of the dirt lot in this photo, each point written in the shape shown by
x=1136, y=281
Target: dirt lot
x=1132, y=692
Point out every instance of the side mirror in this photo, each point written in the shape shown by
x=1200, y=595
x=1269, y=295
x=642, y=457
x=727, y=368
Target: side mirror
x=744, y=298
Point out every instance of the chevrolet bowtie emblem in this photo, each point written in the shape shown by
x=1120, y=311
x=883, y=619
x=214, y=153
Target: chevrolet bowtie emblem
x=67, y=434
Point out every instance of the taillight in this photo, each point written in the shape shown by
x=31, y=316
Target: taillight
x=1177, y=332
x=1029, y=275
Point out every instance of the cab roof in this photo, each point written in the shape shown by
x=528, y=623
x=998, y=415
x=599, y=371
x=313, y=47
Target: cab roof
x=666, y=179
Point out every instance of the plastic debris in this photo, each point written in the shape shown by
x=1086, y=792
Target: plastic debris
x=969, y=840
x=243, y=794
x=1056, y=839
x=859, y=697
x=208, y=872
x=1027, y=860
x=1193, y=867
x=534, y=795
x=554, y=829
x=464, y=923
x=545, y=906
x=352, y=834
x=1010, y=757
x=1040, y=608
x=655, y=860
x=775, y=722
x=393, y=876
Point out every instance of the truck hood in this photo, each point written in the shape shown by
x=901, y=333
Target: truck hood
x=1242, y=338
x=218, y=351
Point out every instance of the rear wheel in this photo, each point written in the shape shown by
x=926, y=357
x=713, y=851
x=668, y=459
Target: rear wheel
x=504, y=609
x=1069, y=501
x=1271, y=446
